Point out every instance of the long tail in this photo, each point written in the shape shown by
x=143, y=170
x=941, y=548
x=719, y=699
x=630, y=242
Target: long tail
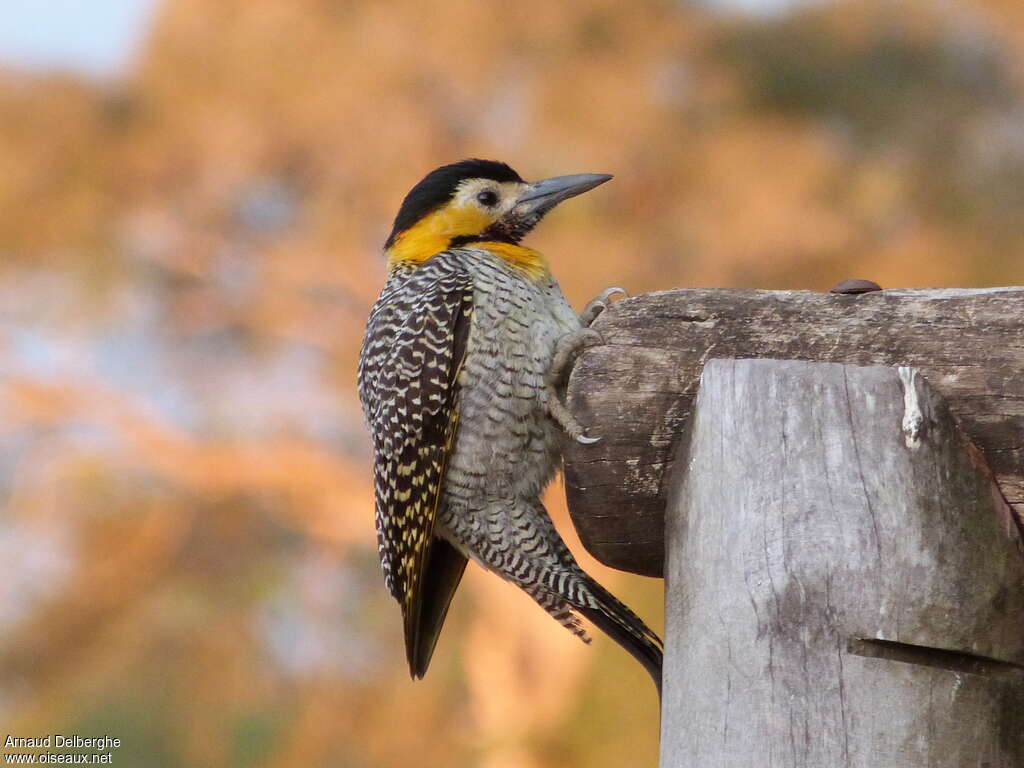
x=623, y=626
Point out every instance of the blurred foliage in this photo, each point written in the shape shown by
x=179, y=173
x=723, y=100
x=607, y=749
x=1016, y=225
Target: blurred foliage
x=187, y=256
x=929, y=89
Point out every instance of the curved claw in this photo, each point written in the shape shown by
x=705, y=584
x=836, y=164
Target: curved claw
x=599, y=304
x=607, y=293
x=587, y=440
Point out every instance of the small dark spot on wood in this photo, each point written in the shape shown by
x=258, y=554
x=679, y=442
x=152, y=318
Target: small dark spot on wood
x=938, y=658
x=855, y=286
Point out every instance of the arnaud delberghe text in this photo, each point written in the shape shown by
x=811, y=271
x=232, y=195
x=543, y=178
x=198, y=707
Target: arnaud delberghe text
x=59, y=741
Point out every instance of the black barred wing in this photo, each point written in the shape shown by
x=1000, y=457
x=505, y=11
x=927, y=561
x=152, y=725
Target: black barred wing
x=413, y=350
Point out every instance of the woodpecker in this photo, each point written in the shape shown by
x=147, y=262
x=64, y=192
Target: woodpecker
x=458, y=375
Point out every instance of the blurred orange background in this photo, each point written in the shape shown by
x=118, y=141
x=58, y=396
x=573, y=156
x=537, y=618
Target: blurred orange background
x=190, y=243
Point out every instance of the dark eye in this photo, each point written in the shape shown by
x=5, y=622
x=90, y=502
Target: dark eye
x=488, y=197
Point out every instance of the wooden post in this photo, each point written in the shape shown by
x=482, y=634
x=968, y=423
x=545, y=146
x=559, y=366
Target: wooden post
x=844, y=585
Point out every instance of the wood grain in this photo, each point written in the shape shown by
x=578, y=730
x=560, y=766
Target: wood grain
x=636, y=390
x=851, y=597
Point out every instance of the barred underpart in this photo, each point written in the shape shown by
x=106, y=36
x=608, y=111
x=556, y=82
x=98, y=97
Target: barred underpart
x=452, y=378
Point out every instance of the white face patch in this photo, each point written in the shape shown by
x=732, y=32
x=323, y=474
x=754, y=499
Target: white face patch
x=478, y=193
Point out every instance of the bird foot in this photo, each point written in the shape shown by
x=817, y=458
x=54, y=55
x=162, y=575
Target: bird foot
x=566, y=351
x=599, y=304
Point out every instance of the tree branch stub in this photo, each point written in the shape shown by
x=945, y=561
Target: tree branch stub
x=636, y=391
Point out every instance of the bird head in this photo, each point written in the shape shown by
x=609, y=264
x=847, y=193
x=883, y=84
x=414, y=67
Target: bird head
x=476, y=201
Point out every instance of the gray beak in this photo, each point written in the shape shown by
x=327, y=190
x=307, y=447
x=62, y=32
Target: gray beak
x=541, y=196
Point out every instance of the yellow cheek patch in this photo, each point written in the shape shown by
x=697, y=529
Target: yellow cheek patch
x=432, y=233
x=435, y=231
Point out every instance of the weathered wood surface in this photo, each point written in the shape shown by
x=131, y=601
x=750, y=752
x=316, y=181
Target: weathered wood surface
x=636, y=390
x=852, y=597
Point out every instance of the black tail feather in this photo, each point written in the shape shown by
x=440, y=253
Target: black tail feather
x=441, y=578
x=625, y=628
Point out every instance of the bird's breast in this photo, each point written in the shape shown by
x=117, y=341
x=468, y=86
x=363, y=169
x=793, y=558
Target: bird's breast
x=506, y=444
